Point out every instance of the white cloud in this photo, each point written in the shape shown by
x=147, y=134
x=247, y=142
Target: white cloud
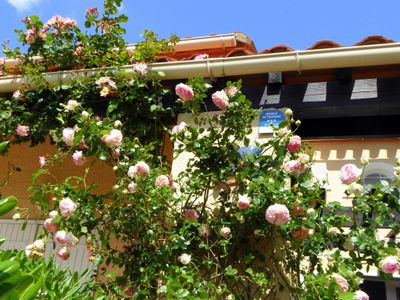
x=23, y=5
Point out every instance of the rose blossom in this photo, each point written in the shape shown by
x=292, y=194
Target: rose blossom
x=184, y=259
x=389, y=264
x=225, y=232
x=67, y=207
x=201, y=57
x=140, y=69
x=132, y=187
x=356, y=189
x=293, y=166
x=349, y=173
x=191, y=214
x=179, y=128
x=184, y=92
x=65, y=238
x=63, y=253
x=220, y=99
x=294, y=143
x=304, y=158
x=35, y=249
x=77, y=158
x=17, y=94
x=360, y=295
x=42, y=161
x=113, y=138
x=141, y=168
x=162, y=180
x=243, y=202
x=22, y=130
x=53, y=214
x=71, y=105
x=204, y=230
x=231, y=91
x=68, y=136
x=300, y=234
x=341, y=282
x=277, y=214
x=50, y=226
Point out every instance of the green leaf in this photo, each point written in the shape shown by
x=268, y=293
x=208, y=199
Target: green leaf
x=34, y=18
x=84, y=229
x=231, y=271
x=182, y=293
x=347, y=296
x=391, y=251
x=7, y=204
x=283, y=124
x=33, y=289
x=4, y=147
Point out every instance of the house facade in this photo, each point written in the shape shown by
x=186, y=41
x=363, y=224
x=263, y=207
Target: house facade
x=347, y=98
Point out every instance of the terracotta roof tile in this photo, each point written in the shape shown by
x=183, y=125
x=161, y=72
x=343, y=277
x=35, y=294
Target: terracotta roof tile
x=324, y=44
x=277, y=49
x=374, y=39
x=229, y=45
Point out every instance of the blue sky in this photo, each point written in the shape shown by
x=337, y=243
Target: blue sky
x=296, y=23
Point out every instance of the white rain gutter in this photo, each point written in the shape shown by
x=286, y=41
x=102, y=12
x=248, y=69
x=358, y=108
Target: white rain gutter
x=356, y=56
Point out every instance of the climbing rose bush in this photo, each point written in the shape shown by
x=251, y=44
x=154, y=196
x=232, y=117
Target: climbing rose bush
x=242, y=219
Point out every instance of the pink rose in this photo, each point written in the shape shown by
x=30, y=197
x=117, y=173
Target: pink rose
x=162, y=180
x=191, y=214
x=204, y=230
x=67, y=207
x=140, y=169
x=360, y=295
x=17, y=94
x=389, y=264
x=225, y=232
x=22, y=130
x=293, y=166
x=63, y=253
x=140, y=69
x=65, y=238
x=77, y=158
x=42, y=161
x=68, y=136
x=220, y=99
x=201, y=57
x=349, y=173
x=50, y=226
x=243, y=202
x=277, y=214
x=132, y=187
x=113, y=138
x=341, y=282
x=184, y=92
x=294, y=143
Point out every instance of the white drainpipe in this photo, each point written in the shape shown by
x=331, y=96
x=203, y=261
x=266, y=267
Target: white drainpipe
x=356, y=56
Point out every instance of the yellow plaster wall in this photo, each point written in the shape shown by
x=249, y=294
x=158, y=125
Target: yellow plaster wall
x=27, y=159
x=336, y=153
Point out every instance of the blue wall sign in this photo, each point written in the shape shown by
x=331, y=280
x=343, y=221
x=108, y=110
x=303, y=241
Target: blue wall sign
x=270, y=117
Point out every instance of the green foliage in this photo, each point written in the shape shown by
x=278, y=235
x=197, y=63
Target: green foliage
x=194, y=239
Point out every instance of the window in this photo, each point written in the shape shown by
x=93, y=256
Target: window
x=377, y=171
